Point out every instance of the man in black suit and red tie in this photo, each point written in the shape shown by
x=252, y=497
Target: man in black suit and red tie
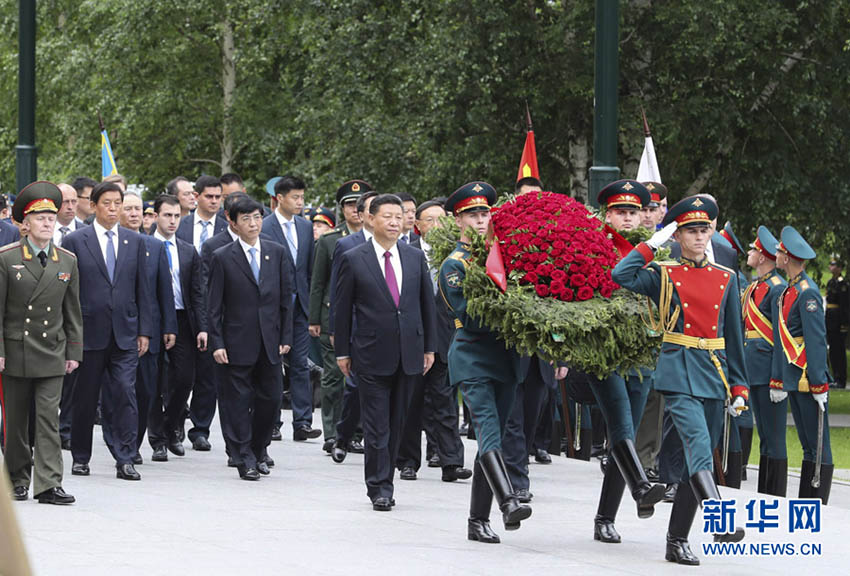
x=250, y=320
x=386, y=284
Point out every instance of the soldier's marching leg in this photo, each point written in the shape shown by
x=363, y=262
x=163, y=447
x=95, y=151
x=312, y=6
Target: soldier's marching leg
x=777, y=464
x=613, y=486
x=17, y=397
x=805, y=411
x=745, y=429
x=333, y=384
x=681, y=518
x=481, y=499
x=760, y=404
x=734, y=459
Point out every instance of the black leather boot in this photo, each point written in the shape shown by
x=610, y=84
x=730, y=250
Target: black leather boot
x=497, y=477
x=478, y=525
x=777, y=480
x=645, y=494
x=681, y=518
x=764, y=474
x=746, y=446
x=822, y=491
x=734, y=461
x=807, y=470
x=613, y=486
x=704, y=488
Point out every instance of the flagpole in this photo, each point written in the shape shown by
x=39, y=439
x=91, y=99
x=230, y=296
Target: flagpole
x=605, y=169
x=26, y=154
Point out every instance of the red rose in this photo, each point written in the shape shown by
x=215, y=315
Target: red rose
x=542, y=290
x=567, y=295
x=606, y=291
x=578, y=280
x=558, y=274
x=530, y=278
x=556, y=287
x=585, y=293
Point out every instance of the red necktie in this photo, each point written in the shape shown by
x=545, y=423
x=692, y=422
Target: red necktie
x=389, y=275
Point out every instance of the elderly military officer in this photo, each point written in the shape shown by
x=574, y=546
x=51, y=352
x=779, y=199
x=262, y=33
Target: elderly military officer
x=702, y=356
x=799, y=360
x=42, y=340
x=487, y=374
x=759, y=309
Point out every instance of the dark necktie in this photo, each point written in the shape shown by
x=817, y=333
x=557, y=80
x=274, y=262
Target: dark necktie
x=42, y=257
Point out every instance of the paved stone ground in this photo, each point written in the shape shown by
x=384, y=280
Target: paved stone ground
x=193, y=515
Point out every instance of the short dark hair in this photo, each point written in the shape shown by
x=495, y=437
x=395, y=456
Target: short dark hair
x=527, y=181
x=428, y=204
x=405, y=197
x=244, y=205
x=103, y=187
x=82, y=183
x=230, y=178
x=165, y=199
x=206, y=181
x=171, y=187
x=231, y=198
x=288, y=183
x=4, y=202
x=361, y=201
x=382, y=199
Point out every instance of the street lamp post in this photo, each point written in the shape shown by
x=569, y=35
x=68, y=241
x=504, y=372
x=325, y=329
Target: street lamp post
x=26, y=168
x=605, y=169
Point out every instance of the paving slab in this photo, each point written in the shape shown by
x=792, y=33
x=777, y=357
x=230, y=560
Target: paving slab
x=193, y=515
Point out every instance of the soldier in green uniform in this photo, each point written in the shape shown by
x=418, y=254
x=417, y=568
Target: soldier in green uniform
x=799, y=367
x=759, y=307
x=41, y=340
x=487, y=373
x=320, y=291
x=701, y=364
x=837, y=321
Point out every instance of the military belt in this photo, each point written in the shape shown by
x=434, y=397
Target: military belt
x=832, y=306
x=695, y=342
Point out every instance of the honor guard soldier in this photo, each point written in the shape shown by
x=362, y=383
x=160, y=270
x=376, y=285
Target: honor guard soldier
x=622, y=397
x=41, y=340
x=837, y=320
x=487, y=373
x=324, y=220
x=652, y=214
x=701, y=364
x=759, y=308
x=799, y=363
x=320, y=291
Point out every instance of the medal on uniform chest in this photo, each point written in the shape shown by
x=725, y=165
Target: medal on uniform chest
x=18, y=276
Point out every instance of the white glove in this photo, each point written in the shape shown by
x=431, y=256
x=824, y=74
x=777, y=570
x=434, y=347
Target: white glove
x=736, y=407
x=777, y=396
x=821, y=399
x=659, y=238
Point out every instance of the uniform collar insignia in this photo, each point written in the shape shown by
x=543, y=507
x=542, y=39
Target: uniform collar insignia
x=701, y=264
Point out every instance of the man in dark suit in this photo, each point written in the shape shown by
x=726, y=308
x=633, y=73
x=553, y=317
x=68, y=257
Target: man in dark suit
x=295, y=234
x=196, y=228
x=115, y=300
x=250, y=300
x=408, y=229
x=8, y=233
x=433, y=405
x=386, y=287
x=163, y=322
x=84, y=186
x=349, y=419
x=175, y=382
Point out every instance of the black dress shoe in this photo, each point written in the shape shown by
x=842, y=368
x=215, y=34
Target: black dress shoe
x=66, y=444
x=434, y=462
x=176, y=448
x=20, y=493
x=452, y=473
x=480, y=531
x=127, y=472
x=160, y=454
x=251, y=474
x=735, y=536
x=263, y=468
x=382, y=504
x=305, y=433
x=670, y=493
x=276, y=435
x=356, y=447
x=138, y=460
x=679, y=551
x=339, y=452
x=80, y=469
x=604, y=531
x=328, y=446
x=523, y=495
x=55, y=496
x=407, y=473
x=542, y=457
x=201, y=444
x=269, y=461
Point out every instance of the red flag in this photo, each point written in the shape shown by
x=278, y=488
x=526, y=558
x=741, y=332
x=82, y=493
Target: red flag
x=528, y=162
x=495, y=266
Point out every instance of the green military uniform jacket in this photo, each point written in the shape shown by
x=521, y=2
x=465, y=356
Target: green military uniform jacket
x=320, y=283
x=41, y=325
x=475, y=351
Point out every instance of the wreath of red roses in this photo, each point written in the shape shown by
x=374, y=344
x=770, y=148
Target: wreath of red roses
x=557, y=245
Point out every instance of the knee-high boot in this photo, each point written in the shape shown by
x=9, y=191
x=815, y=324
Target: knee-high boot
x=613, y=486
x=681, y=518
x=645, y=494
x=478, y=525
x=494, y=469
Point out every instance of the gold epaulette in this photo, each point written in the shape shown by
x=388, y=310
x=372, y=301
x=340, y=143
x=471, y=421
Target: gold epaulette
x=457, y=255
x=804, y=285
x=775, y=280
x=331, y=231
x=669, y=263
x=11, y=246
x=722, y=267
x=63, y=250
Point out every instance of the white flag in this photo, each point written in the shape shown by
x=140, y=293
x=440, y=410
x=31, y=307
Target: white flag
x=648, y=169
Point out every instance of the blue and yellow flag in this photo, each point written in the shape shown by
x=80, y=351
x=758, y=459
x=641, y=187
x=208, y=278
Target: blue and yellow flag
x=106, y=157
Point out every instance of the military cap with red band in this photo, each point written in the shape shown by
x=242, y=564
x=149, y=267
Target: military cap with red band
x=624, y=194
x=37, y=197
x=322, y=214
x=793, y=244
x=765, y=243
x=730, y=237
x=657, y=193
x=692, y=211
x=471, y=197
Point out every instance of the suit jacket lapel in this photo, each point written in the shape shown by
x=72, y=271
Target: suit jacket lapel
x=94, y=248
x=406, y=271
x=31, y=261
x=123, y=249
x=238, y=255
x=305, y=235
x=373, y=266
x=49, y=273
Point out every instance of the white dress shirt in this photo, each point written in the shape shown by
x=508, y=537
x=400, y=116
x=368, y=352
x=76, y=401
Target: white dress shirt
x=366, y=234
x=246, y=247
x=282, y=220
x=176, y=286
x=100, y=231
x=233, y=234
x=395, y=262
x=197, y=228
x=57, y=231
x=709, y=251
